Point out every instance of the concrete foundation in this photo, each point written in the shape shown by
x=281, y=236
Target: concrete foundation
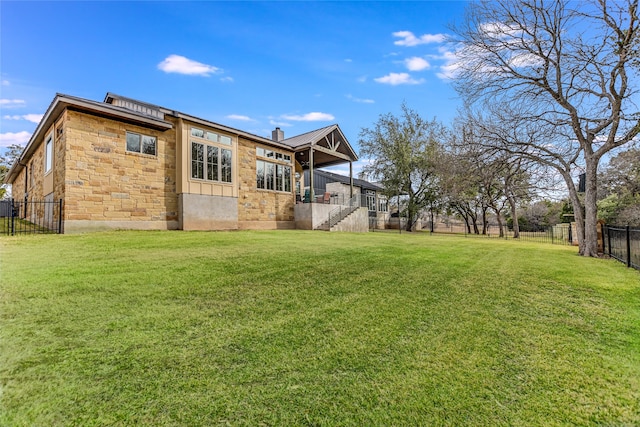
x=201, y=212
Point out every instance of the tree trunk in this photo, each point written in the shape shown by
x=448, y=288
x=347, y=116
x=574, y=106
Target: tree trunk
x=411, y=216
x=514, y=216
x=590, y=209
x=484, y=221
x=432, y=226
x=474, y=220
x=499, y=220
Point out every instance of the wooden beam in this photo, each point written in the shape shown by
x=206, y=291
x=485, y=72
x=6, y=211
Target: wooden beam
x=311, y=195
x=332, y=153
x=332, y=144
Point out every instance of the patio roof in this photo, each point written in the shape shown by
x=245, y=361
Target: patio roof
x=330, y=147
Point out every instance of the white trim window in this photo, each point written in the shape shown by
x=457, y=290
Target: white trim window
x=211, y=136
x=142, y=144
x=48, y=153
x=210, y=163
x=383, y=204
x=272, y=175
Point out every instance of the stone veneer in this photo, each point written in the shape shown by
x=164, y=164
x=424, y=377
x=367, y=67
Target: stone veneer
x=257, y=208
x=109, y=187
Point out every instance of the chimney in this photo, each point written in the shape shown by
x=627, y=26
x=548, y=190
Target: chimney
x=277, y=135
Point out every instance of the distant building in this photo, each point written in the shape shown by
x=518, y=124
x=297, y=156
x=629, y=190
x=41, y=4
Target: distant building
x=338, y=187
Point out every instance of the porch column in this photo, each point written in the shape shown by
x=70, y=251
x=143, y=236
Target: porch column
x=350, y=179
x=311, y=195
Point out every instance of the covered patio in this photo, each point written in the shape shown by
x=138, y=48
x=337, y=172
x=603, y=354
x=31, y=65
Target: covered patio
x=314, y=209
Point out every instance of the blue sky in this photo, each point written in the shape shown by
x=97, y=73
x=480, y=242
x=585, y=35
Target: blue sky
x=249, y=65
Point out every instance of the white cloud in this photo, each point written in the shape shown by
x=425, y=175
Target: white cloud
x=501, y=31
x=348, y=60
x=239, y=117
x=417, y=64
x=10, y=103
x=33, y=118
x=227, y=79
x=357, y=168
x=409, y=39
x=9, y=138
x=281, y=124
x=181, y=65
x=395, y=79
x=360, y=100
x=6, y=83
x=362, y=79
x=449, y=70
x=310, y=117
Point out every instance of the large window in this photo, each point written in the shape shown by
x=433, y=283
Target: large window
x=143, y=144
x=210, y=163
x=371, y=200
x=48, y=154
x=273, y=175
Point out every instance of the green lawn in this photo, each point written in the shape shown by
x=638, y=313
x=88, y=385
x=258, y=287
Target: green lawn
x=313, y=328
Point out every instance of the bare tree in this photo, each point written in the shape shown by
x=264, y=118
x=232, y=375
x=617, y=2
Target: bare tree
x=501, y=177
x=561, y=70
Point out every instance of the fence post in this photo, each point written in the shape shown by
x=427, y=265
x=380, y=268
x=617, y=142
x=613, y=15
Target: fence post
x=13, y=216
x=609, y=239
x=570, y=234
x=628, y=246
x=60, y=217
x=604, y=244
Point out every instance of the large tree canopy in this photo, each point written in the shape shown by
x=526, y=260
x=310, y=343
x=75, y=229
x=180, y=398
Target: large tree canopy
x=558, y=76
x=403, y=152
x=619, y=193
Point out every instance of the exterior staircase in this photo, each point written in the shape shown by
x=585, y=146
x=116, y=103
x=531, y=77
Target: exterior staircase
x=339, y=214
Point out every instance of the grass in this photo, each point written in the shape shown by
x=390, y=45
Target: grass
x=311, y=328
x=21, y=226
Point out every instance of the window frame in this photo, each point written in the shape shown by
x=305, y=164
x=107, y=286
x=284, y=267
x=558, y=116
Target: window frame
x=277, y=171
x=141, y=143
x=48, y=154
x=217, y=157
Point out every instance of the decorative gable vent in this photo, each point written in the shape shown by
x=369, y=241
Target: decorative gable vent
x=138, y=108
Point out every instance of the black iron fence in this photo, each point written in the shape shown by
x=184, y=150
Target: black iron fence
x=623, y=244
x=31, y=217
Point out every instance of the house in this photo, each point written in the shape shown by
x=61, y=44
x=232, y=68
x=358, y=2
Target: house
x=127, y=164
x=338, y=189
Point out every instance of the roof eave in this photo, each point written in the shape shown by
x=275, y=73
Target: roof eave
x=62, y=102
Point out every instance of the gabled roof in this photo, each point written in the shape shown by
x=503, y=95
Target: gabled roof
x=309, y=137
x=153, y=116
x=313, y=137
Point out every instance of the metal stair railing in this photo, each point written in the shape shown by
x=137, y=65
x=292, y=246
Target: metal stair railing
x=341, y=212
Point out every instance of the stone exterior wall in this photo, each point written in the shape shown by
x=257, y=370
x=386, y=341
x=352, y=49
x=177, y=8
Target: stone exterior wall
x=106, y=187
x=257, y=208
x=39, y=187
x=109, y=187
x=344, y=190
